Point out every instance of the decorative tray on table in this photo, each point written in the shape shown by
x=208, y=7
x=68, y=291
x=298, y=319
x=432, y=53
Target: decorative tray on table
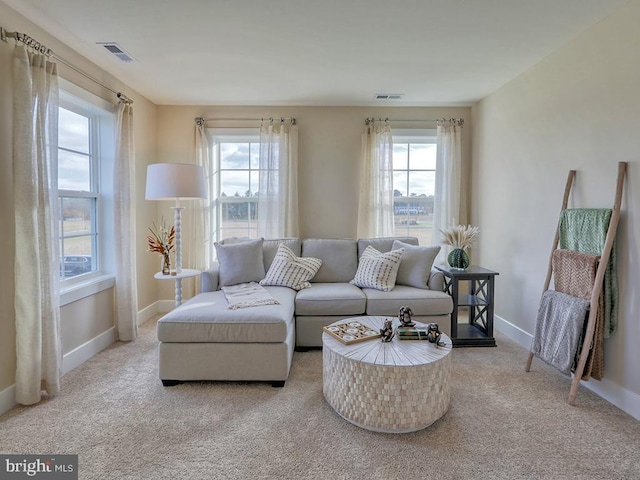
x=352, y=332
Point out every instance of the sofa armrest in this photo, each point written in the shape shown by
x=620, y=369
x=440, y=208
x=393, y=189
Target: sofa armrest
x=436, y=280
x=209, y=279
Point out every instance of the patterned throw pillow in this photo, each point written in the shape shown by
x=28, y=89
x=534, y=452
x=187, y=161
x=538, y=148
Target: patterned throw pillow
x=378, y=270
x=289, y=270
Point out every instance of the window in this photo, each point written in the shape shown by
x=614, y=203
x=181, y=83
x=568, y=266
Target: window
x=414, y=175
x=78, y=194
x=235, y=182
x=85, y=159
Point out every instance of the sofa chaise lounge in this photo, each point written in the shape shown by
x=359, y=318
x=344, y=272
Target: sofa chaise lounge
x=204, y=339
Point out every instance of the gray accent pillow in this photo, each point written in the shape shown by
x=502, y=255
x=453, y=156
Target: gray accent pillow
x=383, y=244
x=415, y=267
x=240, y=262
x=230, y=240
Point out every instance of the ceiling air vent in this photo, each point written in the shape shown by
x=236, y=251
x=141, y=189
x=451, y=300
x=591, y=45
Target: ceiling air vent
x=389, y=96
x=116, y=50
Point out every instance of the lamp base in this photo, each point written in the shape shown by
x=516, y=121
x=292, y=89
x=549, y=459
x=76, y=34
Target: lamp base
x=177, y=223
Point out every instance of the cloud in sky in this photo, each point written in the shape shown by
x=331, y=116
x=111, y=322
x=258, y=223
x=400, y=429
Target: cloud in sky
x=235, y=159
x=239, y=155
x=414, y=168
x=73, y=136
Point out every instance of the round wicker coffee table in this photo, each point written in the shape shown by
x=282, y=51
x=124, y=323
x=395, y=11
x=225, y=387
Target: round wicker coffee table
x=394, y=387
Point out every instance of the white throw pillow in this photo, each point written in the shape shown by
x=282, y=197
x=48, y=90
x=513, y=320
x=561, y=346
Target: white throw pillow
x=378, y=270
x=415, y=268
x=289, y=270
x=240, y=262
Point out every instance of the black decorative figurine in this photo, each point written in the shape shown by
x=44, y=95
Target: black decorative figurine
x=386, y=332
x=434, y=334
x=406, y=317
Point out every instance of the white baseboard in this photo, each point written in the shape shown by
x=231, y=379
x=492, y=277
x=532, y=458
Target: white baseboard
x=7, y=399
x=84, y=352
x=624, y=399
x=165, y=306
x=512, y=331
x=147, y=313
x=161, y=306
x=71, y=360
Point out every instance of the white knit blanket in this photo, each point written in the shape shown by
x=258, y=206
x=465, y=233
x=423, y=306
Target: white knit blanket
x=247, y=295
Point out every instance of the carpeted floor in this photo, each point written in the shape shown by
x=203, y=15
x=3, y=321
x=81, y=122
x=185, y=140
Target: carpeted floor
x=503, y=423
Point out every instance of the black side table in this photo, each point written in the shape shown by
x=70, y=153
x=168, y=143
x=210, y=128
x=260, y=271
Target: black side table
x=478, y=332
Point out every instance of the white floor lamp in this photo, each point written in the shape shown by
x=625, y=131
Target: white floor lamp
x=175, y=181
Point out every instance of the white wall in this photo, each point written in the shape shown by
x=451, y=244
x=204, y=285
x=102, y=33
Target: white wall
x=578, y=109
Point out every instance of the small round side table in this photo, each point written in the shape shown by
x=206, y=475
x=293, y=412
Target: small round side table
x=186, y=273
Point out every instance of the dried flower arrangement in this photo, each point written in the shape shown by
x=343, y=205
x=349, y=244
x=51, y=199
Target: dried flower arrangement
x=460, y=236
x=161, y=241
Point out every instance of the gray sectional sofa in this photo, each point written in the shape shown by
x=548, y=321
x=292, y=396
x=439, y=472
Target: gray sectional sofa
x=203, y=339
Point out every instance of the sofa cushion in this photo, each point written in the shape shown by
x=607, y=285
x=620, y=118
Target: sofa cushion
x=240, y=262
x=422, y=302
x=378, y=270
x=289, y=270
x=206, y=318
x=383, y=244
x=330, y=299
x=415, y=267
x=339, y=258
x=270, y=248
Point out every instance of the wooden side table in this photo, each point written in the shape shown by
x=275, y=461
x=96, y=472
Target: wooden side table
x=478, y=299
x=186, y=273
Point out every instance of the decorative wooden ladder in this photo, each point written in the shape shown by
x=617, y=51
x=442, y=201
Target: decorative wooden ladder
x=602, y=266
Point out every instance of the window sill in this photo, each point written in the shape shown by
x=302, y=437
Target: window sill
x=91, y=286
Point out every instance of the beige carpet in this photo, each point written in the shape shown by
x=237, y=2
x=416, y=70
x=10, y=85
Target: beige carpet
x=503, y=423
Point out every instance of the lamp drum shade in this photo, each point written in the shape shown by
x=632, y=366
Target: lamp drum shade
x=172, y=181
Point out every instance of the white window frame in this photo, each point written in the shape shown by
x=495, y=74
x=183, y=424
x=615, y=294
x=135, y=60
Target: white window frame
x=102, y=144
x=412, y=136
x=216, y=136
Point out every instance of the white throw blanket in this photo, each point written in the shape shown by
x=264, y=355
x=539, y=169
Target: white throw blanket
x=247, y=295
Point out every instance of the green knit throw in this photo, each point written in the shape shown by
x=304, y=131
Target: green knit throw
x=585, y=230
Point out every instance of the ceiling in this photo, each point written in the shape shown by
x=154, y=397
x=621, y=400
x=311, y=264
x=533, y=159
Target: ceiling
x=316, y=52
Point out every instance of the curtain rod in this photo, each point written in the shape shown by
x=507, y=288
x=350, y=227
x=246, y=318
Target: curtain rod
x=200, y=121
x=458, y=121
x=32, y=43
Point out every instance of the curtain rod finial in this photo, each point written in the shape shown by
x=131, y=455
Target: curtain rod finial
x=123, y=98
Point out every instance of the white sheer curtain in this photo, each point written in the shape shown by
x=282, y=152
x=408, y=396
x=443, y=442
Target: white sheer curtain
x=124, y=225
x=278, y=183
x=375, y=207
x=37, y=257
x=197, y=240
x=448, y=208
